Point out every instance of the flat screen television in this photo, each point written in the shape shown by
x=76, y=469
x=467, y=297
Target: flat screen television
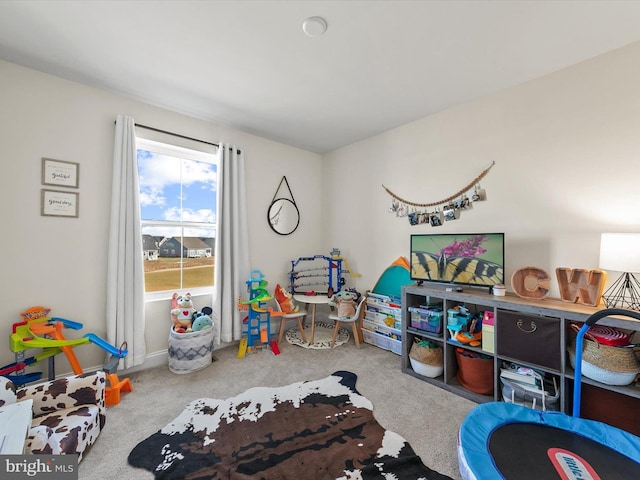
x=472, y=259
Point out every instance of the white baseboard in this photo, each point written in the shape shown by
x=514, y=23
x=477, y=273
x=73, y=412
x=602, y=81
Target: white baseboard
x=152, y=360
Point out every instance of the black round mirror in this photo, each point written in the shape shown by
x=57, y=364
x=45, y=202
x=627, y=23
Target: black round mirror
x=283, y=216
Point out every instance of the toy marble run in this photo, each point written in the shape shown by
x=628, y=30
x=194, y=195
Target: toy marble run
x=256, y=326
x=324, y=273
x=38, y=330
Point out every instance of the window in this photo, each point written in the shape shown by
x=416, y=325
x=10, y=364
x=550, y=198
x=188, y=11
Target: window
x=178, y=216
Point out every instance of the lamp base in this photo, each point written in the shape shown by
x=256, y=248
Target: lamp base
x=624, y=293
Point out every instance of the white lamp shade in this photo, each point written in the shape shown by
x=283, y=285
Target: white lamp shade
x=620, y=252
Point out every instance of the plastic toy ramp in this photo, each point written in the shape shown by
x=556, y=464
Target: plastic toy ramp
x=69, y=323
x=106, y=346
x=19, y=378
x=242, y=348
x=24, y=339
x=273, y=313
x=112, y=394
x=262, y=296
x=347, y=267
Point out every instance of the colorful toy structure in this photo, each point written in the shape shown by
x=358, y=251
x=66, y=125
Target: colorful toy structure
x=256, y=326
x=324, y=273
x=38, y=330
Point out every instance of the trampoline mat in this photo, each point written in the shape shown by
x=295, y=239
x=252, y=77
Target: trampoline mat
x=524, y=451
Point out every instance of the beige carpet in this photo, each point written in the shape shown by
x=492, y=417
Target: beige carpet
x=427, y=416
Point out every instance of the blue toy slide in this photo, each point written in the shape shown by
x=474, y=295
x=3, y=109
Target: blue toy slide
x=93, y=338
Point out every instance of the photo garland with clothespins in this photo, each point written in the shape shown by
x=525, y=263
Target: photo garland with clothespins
x=436, y=213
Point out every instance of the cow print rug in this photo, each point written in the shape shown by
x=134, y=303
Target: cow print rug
x=322, y=429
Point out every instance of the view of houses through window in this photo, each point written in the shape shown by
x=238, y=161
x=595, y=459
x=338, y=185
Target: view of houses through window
x=178, y=216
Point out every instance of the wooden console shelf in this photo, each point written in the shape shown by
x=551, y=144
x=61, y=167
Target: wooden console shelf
x=557, y=312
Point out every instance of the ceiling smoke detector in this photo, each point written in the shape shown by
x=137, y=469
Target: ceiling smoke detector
x=314, y=26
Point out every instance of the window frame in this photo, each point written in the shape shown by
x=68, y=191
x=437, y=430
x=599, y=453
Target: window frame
x=188, y=153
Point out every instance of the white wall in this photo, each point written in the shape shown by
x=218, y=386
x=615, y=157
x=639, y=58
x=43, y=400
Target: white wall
x=567, y=153
x=566, y=148
x=60, y=263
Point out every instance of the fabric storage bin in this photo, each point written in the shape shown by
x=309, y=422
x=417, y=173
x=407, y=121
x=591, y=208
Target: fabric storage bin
x=529, y=338
x=190, y=352
x=475, y=371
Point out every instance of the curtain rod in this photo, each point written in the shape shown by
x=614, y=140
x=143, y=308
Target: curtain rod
x=176, y=134
x=179, y=135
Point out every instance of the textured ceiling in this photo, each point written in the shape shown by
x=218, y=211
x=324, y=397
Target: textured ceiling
x=248, y=65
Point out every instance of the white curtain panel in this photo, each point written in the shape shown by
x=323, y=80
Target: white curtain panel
x=232, y=268
x=125, y=271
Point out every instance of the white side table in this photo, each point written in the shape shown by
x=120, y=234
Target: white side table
x=314, y=301
x=15, y=422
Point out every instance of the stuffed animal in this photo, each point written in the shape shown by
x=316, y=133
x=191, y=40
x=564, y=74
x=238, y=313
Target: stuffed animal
x=345, y=302
x=182, y=312
x=202, y=319
x=201, y=322
x=285, y=299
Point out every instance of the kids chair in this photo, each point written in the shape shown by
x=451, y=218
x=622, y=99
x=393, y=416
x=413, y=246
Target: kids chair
x=353, y=320
x=68, y=413
x=299, y=317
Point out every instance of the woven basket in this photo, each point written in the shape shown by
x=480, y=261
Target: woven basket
x=605, y=364
x=190, y=352
x=428, y=356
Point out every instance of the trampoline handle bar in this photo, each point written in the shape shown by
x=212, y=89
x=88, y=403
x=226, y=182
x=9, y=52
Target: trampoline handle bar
x=577, y=381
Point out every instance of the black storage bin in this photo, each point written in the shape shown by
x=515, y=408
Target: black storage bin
x=529, y=338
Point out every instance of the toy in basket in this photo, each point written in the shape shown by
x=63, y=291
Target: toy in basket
x=607, y=356
x=475, y=371
x=190, y=337
x=426, y=358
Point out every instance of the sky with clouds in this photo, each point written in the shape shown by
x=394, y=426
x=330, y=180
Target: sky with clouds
x=176, y=189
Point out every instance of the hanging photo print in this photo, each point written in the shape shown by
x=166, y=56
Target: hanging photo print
x=451, y=206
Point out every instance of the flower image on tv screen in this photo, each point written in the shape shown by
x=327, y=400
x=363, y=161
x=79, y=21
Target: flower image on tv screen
x=466, y=259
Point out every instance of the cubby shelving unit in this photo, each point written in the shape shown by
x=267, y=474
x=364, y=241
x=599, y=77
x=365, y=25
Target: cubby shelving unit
x=557, y=312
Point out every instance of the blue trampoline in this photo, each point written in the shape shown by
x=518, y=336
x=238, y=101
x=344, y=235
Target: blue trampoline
x=500, y=440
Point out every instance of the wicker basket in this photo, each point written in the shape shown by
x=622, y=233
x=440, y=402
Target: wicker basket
x=426, y=359
x=605, y=364
x=426, y=355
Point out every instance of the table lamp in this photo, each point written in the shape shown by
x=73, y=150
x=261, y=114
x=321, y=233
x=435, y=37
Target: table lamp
x=621, y=252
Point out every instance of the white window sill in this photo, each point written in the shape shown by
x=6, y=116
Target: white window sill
x=166, y=294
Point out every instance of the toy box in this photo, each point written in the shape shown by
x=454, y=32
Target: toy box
x=427, y=318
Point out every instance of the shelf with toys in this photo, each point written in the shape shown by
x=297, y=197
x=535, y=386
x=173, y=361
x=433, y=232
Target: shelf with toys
x=520, y=337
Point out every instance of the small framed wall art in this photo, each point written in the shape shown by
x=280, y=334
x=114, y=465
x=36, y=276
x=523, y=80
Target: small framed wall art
x=60, y=173
x=56, y=203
